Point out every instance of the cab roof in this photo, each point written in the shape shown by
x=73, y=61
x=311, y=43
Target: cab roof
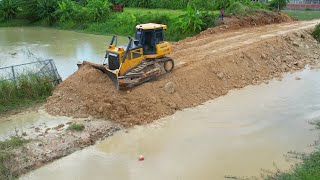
x=151, y=26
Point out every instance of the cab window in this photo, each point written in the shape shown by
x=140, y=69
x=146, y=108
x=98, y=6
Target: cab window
x=159, y=35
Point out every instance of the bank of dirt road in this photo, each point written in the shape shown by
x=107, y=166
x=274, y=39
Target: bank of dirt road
x=207, y=66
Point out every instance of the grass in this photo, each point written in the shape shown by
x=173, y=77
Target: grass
x=316, y=33
x=15, y=23
x=76, y=127
x=303, y=15
x=239, y=9
x=6, y=148
x=28, y=89
x=173, y=13
x=309, y=169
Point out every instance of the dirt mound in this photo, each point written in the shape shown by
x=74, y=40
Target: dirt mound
x=237, y=22
x=206, y=68
x=258, y=19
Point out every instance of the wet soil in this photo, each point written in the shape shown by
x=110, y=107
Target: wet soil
x=55, y=142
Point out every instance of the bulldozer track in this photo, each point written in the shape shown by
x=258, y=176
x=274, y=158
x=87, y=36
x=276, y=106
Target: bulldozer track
x=148, y=63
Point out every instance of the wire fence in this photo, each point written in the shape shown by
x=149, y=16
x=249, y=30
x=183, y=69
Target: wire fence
x=45, y=68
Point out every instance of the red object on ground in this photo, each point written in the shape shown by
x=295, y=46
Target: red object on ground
x=141, y=158
x=118, y=7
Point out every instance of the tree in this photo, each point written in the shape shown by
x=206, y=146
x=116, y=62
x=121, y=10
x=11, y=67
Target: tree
x=10, y=8
x=203, y=4
x=278, y=4
x=98, y=9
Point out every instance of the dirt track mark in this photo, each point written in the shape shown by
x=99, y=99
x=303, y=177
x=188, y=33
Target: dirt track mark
x=215, y=45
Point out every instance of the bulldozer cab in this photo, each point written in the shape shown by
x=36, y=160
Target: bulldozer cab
x=148, y=36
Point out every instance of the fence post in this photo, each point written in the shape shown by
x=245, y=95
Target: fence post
x=54, y=71
x=13, y=74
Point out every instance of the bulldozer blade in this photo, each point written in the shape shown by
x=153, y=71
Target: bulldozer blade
x=113, y=75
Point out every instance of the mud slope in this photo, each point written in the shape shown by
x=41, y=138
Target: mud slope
x=208, y=66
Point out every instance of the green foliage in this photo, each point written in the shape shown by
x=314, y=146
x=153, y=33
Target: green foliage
x=223, y=4
x=81, y=2
x=66, y=11
x=46, y=9
x=124, y=23
x=189, y=22
x=203, y=4
x=308, y=169
x=278, y=4
x=98, y=9
x=171, y=4
x=28, y=9
x=240, y=9
x=316, y=35
x=167, y=4
x=76, y=127
x=28, y=88
x=210, y=19
x=9, y=9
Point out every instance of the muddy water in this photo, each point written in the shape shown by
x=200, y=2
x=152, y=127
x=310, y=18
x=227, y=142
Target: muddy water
x=235, y=135
x=65, y=47
x=26, y=122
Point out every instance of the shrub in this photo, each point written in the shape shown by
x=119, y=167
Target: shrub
x=46, y=9
x=189, y=22
x=81, y=2
x=28, y=87
x=167, y=4
x=222, y=4
x=210, y=19
x=278, y=4
x=10, y=9
x=239, y=9
x=98, y=9
x=66, y=11
x=76, y=127
x=153, y=18
x=203, y=4
x=316, y=33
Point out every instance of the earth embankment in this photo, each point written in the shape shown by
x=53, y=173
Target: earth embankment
x=207, y=66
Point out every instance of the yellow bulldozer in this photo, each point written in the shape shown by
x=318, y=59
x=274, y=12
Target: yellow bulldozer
x=142, y=59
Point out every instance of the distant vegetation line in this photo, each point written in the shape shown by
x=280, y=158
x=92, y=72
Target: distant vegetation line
x=189, y=17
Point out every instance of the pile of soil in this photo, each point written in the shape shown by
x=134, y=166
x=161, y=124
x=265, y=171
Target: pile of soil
x=233, y=22
x=257, y=19
x=206, y=68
